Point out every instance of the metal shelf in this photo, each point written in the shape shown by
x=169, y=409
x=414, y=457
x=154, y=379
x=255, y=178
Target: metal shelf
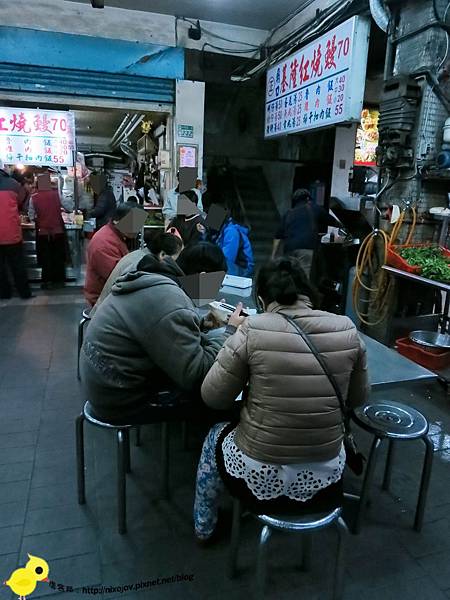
x=153, y=226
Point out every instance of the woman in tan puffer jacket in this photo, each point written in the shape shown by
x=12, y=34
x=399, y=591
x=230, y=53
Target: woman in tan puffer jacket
x=286, y=452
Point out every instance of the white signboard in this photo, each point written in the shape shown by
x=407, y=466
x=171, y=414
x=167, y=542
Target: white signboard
x=37, y=137
x=320, y=85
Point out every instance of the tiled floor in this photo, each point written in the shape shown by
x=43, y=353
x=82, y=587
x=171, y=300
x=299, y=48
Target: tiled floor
x=39, y=514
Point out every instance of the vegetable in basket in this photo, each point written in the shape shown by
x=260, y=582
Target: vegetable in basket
x=433, y=262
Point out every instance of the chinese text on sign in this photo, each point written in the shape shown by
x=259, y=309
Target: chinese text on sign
x=321, y=84
x=37, y=137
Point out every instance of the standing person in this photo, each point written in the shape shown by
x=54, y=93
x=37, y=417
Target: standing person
x=105, y=205
x=235, y=244
x=286, y=453
x=169, y=209
x=300, y=229
x=45, y=210
x=105, y=250
x=11, y=240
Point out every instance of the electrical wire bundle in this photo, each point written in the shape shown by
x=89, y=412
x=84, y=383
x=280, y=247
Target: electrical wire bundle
x=370, y=278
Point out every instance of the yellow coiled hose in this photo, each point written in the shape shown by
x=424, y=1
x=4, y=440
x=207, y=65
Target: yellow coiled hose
x=371, y=257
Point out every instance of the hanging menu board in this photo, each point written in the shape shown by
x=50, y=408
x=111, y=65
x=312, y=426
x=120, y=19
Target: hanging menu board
x=320, y=85
x=37, y=137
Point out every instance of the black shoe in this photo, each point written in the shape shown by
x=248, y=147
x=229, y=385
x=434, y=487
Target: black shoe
x=28, y=297
x=5, y=297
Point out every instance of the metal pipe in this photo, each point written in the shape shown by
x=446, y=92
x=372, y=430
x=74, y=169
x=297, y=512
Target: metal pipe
x=129, y=130
x=121, y=126
x=379, y=14
x=120, y=137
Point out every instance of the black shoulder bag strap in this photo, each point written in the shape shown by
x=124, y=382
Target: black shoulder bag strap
x=355, y=459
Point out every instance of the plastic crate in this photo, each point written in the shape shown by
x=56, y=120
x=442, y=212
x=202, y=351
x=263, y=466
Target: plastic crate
x=435, y=360
x=395, y=260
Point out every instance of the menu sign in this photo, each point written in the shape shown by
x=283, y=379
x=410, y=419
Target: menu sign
x=37, y=137
x=367, y=138
x=320, y=85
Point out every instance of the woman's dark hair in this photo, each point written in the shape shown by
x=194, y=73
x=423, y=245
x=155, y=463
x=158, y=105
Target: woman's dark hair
x=202, y=257
x=300, y=196
x=191, y=195
x=122, y=210
x=283, y=280
x=165, y=242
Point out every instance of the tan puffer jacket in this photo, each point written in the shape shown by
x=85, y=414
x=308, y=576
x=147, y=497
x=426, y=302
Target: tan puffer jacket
x=291, y=414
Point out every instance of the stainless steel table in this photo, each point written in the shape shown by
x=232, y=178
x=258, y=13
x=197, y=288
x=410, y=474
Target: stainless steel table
x=443, y=287
x=387, y=368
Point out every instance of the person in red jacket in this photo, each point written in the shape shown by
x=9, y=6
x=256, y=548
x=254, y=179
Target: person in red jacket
x=45, y=209
x=105, y=250
x=11, y=246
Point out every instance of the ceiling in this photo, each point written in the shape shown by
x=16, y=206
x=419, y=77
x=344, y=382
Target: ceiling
x=258, y=14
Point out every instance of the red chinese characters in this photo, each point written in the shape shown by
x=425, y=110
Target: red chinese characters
x=330, y=62
x=19, y=123
x=303, y=70
x=41, y=123
x=294, y=67
x=316, y=64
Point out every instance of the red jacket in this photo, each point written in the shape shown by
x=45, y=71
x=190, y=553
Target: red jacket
x=10, y=225
x=105, y=250
x=47, y=208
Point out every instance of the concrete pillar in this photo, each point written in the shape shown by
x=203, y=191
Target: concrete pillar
x=189, y=118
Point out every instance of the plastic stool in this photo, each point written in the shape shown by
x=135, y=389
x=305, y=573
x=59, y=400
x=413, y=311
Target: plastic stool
x=85, y=318
x=395, y=422
x=305, y=525
x=123, y=459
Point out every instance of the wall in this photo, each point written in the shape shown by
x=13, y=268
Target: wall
x=424, y=50
x=116, y=23
x=189, y=110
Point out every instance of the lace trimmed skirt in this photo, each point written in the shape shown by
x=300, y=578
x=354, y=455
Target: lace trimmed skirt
x=299, y=488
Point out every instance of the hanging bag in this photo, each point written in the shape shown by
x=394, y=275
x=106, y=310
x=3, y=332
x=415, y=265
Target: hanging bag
x=355, y=460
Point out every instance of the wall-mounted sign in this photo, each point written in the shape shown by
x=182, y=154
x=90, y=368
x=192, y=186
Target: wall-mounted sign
x=187, y=156
x=37, y=137
x=185, y=131
x=320, y=85
x=367, y=138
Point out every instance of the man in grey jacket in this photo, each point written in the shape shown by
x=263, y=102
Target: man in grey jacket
x=146, y=337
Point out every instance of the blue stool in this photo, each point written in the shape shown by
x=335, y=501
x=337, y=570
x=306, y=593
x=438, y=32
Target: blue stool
x=85, y=318
x=305, y=525
x=123, y=458
x=397, y=423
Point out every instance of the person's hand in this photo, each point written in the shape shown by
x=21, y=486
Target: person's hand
x=213, y=320
x=236, y=319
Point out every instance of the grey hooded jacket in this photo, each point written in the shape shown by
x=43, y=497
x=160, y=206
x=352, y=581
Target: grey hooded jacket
x=145, y=337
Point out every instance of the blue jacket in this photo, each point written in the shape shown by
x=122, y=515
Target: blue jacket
x=231, y=237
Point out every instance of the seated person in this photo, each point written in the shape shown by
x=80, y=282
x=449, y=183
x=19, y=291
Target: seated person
x=105, y=250
x=146, y=337
x=191, y=228
x=286, y=452
x=161, y=245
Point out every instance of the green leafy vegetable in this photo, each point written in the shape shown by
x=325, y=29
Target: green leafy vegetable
x=431, y=259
